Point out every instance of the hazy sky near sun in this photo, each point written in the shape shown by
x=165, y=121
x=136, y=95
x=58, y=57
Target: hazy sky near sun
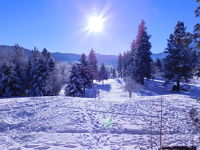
x=58, y=25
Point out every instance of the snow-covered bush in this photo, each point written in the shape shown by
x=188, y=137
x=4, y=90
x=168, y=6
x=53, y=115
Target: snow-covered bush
x=131, y=86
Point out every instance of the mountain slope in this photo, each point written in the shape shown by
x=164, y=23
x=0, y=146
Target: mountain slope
x=72, y=58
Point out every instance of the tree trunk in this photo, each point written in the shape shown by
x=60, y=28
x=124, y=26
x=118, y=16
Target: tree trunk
x=178, y=85
x=130, y=94
x=142, y=80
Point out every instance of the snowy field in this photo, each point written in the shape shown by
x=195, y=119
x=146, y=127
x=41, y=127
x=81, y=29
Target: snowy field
x=110, y=122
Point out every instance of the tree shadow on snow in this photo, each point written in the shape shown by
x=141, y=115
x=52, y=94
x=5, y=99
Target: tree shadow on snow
x=156, y=87
x=119, y=81
x=93, y=92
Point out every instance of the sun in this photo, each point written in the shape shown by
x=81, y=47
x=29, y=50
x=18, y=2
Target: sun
x=95, y=24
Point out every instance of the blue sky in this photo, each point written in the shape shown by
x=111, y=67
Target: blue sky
x=58, y=25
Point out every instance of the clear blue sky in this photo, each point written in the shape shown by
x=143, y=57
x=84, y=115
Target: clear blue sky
x=58, y=24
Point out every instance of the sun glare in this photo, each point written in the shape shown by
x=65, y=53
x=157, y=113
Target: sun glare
x=95, y=24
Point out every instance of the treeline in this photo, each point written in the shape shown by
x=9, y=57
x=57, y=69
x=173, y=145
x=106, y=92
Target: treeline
x=84, y=73
x=36, y=74
x=180, y=64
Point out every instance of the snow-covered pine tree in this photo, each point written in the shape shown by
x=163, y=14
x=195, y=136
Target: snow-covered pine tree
x=51, y=88
x=85, y=72
x=119, y=65
x=159, y=65
x=37, y=75
x=125, y=64
x=139, y=65
x=74, y=86
x=103, y=73
x=6, y=81
x=19, y=81
x=178, y=62
x=113, y=73
x=19, y=61
x=130, y=61
x=80, y=78
x=197, y=26
x=28, y=77
x=196, y=37
x=93, y=62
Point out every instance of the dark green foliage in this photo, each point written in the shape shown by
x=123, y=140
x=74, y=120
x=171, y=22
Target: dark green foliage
x=41, y=72
x=80, y=79
x=103, y=73
x=74, y=87
x=178, y=62
x=92, y=60
x=113, y=73
x=120, y=65
x=139, y=60
x=7, y=81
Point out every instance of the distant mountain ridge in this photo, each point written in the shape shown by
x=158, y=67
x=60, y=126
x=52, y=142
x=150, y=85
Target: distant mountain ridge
x=72, y=58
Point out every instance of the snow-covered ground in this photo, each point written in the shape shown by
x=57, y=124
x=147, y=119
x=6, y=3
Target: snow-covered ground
x=111, y=122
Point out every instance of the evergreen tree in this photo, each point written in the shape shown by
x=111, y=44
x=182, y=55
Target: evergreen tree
x=80, y=78
x=113, y=73
x=103, y=74
x=74, y=87
x=126, y=59
x=178, y=62
x=50, y=74
x=159, y=65
x=196, y=37
x=41, y=73
x=19, y=61
x=85, y=72
x=19, y=81
x=18, y=55
x=197, y=26
x=7, y=88
x=92, y=60
x=120, y=65
x=37, y=74
x=139, y=65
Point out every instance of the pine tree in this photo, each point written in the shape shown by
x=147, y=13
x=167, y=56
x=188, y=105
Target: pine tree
x=80, y=78
x=178, y=62
x=85, y=72
x=6, y=81
x=120, y=65
x=93, y=62
x=38, y=74
x=19, y=80
x=196, y=37
x=50, y=74
x=19, y=61
x=113, y=73
x=197, y=26
x=103, y=74
x=74, y=86
x=159, y=64
x=126, y=59
x=139, y=62
x=37, y=83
